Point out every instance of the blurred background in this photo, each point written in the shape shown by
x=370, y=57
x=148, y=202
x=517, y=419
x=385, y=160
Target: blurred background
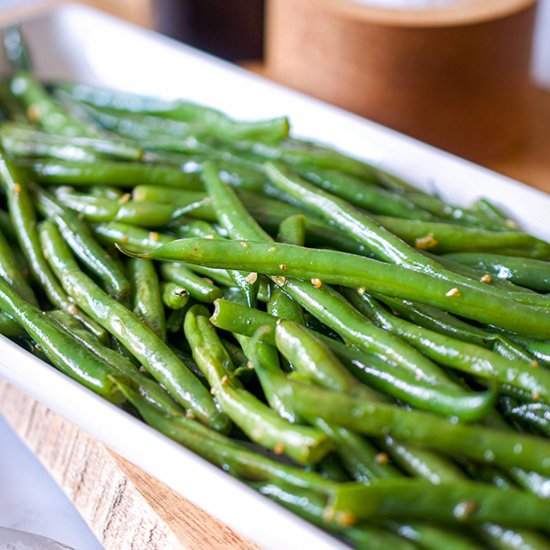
x=479, y=90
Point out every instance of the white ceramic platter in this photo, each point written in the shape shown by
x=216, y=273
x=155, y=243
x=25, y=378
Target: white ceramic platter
x=81, y=44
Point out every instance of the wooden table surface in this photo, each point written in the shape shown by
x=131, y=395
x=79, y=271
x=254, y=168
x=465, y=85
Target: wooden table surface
x=128, y=508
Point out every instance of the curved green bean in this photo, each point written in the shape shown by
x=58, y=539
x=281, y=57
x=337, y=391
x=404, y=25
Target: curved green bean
x=147, y=387
x=23, y=220
x=140, y=341
x=527, y=272
x=80, y=238
x=259, y=422
x=174, y=296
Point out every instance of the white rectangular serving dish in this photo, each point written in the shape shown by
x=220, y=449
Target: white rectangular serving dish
x=81, y=44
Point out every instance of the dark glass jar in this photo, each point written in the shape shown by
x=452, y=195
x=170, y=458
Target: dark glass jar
x=232, y=29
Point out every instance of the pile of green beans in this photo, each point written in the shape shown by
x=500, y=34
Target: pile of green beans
x=371, y=358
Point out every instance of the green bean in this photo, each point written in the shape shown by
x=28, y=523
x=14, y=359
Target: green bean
x=11, y=273
x=215, y=122
x=259, y=422
x=453, y=214
x=358, y=455
x=198, y=288
x=43, y=110
x=231, y=214
x=117, y=174
x=174, y=321
x=180, y=198
x=313, y=359
x=368, y=232
x=534, y=274
x=61, y=349
x=449, y=325
x=334, y=267
x=147, y=387
x=324, y=303
x=129, y=125
x=39, y=143
x=292, y=230
x=313, y=156
x=268, y=212
x=464, y=502
x=23, y=221
x=144, y=345
x=460, y=355
x=130, y=235
x=443, y=238
x=481, y=444
x=355, y=452
x=364, y=195
x=348, y=445
x=311, y=506
x=371, y=370
x=438, y=321
x=461, y=404
x=283, y=306
x=80, y=238
x=349, y=270
x=23, y=149
x=386, y=245
x=96, y=209
x=309, y=355
x=174, y=296
x=147, y=298
x=331, y=468
x=421, y=462
x=485, y=208
x=414, y=460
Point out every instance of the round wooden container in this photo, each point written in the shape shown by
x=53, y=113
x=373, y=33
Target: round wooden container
x=456, y=77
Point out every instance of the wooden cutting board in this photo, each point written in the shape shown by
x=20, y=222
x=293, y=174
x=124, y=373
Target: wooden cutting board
x=125, y=507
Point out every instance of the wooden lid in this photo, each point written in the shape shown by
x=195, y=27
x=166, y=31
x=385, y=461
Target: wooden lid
x=461, y=13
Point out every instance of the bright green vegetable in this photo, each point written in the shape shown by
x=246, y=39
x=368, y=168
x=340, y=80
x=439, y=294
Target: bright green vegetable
x=23, y=220
x=259, y=422
x=147, y=297
x=481, y=444
x=332, y=267
x=146, y=347
x=60, y=348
